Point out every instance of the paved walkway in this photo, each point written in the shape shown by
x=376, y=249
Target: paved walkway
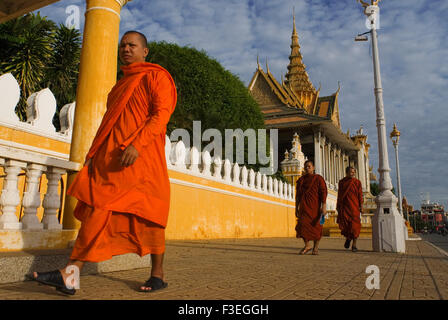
x=253, y=269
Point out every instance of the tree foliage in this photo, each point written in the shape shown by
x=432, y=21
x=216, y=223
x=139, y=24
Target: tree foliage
x=40, y=54
x=206, y=91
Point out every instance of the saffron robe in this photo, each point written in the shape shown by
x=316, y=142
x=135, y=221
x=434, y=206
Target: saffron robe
x=349, y=206
x=311, y=193
x=125, y=209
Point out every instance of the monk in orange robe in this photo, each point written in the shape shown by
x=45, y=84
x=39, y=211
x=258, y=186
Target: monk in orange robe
x=123, y=190
x=311, y=197
x=349, y=207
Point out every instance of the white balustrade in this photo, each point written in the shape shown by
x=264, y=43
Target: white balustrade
x=179, y=155
x=244, y=175
x=265, y=183
x=275, y=183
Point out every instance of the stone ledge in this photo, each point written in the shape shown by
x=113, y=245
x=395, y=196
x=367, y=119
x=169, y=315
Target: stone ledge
x=15, y=265
x=16, y=240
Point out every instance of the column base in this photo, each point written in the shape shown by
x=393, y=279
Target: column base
x=10, y=226
x=387, y=225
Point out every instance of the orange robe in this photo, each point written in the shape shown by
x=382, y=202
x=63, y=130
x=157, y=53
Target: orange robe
x=348, y=206
x=125, y=209
x=311, y=193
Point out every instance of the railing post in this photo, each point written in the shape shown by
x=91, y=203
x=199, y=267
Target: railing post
x=31, y=197
x=52, y=200
x=10, y=197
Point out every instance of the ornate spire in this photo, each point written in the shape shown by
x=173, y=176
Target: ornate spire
x=297, y=76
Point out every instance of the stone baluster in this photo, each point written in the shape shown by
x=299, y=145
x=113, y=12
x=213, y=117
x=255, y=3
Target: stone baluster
x=10, y=197
x=227, y=171
x=244, y=174
x=275, y=184
x=258, y=185
x=178, y=155
x=236, y=173
x=270, y=186
x=280, y=189
x=252, y=179
x=206, y=164
x=31, y=197
x=265, y=183
x=194, y=160
x=52, y=200
x=285, y=190
x=217, y=167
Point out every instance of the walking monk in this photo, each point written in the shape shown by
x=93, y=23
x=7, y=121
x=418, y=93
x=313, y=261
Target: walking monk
x=311, y=197
x=349, y=207
x=123, y=190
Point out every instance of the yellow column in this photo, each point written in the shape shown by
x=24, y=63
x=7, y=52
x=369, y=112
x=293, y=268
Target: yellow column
x=97, y=75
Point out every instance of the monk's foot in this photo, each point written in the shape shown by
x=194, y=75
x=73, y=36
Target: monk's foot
x=153, y=284
x=347, y=243
x=305, y=250
x=315, y=252
x=354, y=249
x=54, y=279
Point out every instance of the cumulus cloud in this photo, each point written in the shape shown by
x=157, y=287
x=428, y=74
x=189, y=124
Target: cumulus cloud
x=413, y=50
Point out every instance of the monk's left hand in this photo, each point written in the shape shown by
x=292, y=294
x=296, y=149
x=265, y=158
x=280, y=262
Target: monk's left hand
x=130, y=154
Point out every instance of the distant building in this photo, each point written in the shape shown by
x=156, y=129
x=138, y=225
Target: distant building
x=433, y=213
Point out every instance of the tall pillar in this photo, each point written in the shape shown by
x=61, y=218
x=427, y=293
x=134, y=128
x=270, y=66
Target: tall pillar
x=317, y=160
x=97, y=75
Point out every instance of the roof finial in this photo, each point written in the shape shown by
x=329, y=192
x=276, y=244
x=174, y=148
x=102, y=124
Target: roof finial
x=267, y=66
x=258, y=61
x=294, y=31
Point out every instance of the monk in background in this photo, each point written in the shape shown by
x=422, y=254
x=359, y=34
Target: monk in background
x=311, y=197
x=349, y=207
x=123, y=190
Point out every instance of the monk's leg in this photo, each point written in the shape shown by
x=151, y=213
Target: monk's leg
x=306, y=247
x=316, y=247
x=354, y=247
x=156, y=268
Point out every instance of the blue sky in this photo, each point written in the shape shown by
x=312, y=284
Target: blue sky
x=413, y=51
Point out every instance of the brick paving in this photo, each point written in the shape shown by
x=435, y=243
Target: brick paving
x=257, y=269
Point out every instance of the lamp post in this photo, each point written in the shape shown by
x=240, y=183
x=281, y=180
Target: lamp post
x=387, y=223
x=395, y=137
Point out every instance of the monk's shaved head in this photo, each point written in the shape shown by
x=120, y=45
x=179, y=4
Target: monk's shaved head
x=141, y=36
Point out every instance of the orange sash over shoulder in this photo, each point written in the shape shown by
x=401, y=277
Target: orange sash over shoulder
x=138, y=110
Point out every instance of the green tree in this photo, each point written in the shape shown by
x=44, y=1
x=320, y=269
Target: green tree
x=25, y=44
x=62, y=70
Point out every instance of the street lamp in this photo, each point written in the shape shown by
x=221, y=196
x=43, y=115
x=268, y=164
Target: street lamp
x=387, y=223
x=395, y=136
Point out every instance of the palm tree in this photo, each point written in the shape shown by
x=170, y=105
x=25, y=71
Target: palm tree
x=62, y=71
x=25, y=44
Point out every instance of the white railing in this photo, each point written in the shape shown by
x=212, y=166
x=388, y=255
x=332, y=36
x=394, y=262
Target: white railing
x=191, y=162
x=35, y=165
x=41, y=107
